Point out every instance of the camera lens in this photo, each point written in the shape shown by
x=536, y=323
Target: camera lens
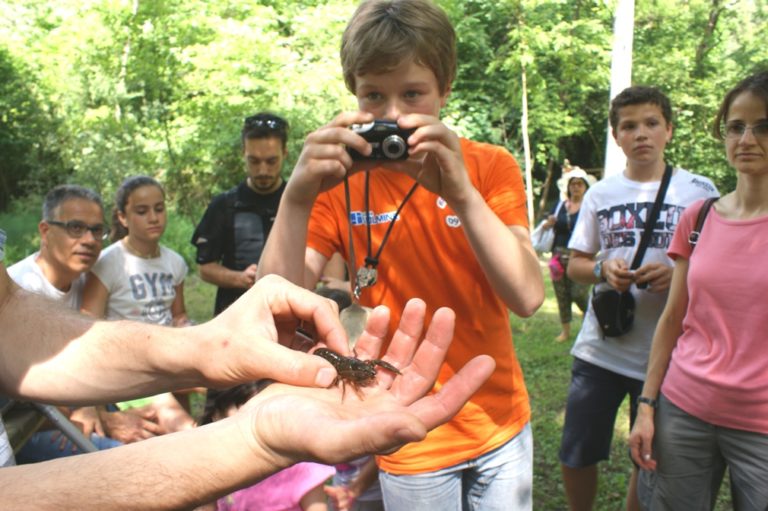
x=394, y=147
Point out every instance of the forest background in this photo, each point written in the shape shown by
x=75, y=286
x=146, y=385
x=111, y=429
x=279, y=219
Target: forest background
x=92, y=91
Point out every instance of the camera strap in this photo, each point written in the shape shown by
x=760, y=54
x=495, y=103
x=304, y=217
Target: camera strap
x=366, y=275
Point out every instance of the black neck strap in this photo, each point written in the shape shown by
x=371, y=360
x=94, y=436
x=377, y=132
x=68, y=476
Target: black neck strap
x=371, y=261
x=650, y=221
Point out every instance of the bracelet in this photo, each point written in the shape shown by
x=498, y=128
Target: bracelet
x=648, y=401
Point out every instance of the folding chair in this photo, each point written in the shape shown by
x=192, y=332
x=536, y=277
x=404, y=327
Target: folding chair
x=23, y=419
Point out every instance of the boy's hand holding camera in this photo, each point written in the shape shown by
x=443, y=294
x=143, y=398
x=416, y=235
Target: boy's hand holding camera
x=324, y=160
x=434, y=158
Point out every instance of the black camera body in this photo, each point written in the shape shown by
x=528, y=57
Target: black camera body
x=388, y=141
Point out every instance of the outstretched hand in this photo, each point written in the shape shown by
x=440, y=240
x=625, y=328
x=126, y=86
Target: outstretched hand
x=256, y=338
x=291, y=424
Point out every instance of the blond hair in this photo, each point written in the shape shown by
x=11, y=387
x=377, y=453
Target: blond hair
x=382, y=34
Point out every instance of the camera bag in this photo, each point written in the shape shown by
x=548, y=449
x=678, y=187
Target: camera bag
x=615, y=310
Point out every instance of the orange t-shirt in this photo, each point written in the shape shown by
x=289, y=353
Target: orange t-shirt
x=428, y=256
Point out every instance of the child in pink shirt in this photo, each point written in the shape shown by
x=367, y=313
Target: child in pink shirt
x=296, y=488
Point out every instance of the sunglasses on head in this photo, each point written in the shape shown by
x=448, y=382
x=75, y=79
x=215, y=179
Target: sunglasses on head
x=263, y=121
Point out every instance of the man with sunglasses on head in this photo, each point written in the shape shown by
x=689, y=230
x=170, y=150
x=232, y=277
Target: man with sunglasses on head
x=72, y=231
x=234, y=228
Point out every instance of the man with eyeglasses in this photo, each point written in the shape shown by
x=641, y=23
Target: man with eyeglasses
x=234, y=228
x=72, y=231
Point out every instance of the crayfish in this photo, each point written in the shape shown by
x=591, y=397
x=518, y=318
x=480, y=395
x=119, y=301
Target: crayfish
x=353, y=371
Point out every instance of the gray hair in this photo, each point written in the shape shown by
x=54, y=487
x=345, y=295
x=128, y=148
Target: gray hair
x=62, y=193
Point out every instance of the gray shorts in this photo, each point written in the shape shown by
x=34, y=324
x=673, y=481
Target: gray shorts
x=692, y=456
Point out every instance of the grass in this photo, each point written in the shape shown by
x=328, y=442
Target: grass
x=198, y=297
x=547, y=368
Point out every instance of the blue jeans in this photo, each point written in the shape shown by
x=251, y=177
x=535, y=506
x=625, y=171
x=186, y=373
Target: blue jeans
x=501, y=480
x=46, y=445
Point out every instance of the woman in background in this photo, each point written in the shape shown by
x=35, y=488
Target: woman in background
x=573, y=185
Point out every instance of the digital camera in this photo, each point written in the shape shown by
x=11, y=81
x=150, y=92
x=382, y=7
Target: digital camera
x=388, y=141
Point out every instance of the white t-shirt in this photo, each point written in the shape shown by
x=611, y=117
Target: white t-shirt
x=28, y=275
x=6, y=453
x=140, y=289
x=610, y=224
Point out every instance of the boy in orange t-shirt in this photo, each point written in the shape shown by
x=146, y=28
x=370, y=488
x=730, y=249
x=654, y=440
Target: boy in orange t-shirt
x=447, y=225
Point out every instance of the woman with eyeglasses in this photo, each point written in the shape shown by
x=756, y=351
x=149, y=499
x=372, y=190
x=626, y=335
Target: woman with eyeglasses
x=704, y=406
x=139, y=279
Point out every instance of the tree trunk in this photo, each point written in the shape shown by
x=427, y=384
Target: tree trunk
x=546, y=185
x=706, y=43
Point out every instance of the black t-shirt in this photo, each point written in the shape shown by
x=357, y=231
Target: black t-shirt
x=233, y=231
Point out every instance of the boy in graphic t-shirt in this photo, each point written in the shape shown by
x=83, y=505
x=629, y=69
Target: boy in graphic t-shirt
x=603, y=244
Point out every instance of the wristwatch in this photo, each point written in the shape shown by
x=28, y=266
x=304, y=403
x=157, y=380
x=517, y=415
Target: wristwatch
x=598, y=271
x=648, y=401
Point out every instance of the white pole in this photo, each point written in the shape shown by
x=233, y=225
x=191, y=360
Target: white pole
x=527, y=151
x=621, y=76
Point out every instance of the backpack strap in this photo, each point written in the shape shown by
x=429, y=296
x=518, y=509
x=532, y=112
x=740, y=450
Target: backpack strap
x=693, y=238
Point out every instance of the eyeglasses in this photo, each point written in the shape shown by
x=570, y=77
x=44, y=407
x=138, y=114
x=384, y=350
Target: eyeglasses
x=77, y=229
x=261, y=121
x=737, y=129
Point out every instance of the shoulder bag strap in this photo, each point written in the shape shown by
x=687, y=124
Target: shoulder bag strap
x=693, y=238
x=558, y=207
x=652, y=217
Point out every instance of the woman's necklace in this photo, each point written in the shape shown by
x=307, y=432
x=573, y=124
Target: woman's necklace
x=133, y=250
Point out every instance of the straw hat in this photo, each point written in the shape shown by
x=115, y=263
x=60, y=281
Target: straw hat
x=574, y=172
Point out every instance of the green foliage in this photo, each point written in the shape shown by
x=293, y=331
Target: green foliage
x=30, y=159
x=91, y=92
x=20, y=225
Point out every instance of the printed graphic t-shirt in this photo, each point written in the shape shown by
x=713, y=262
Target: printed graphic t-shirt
x=140, y=289
x=611, y=222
